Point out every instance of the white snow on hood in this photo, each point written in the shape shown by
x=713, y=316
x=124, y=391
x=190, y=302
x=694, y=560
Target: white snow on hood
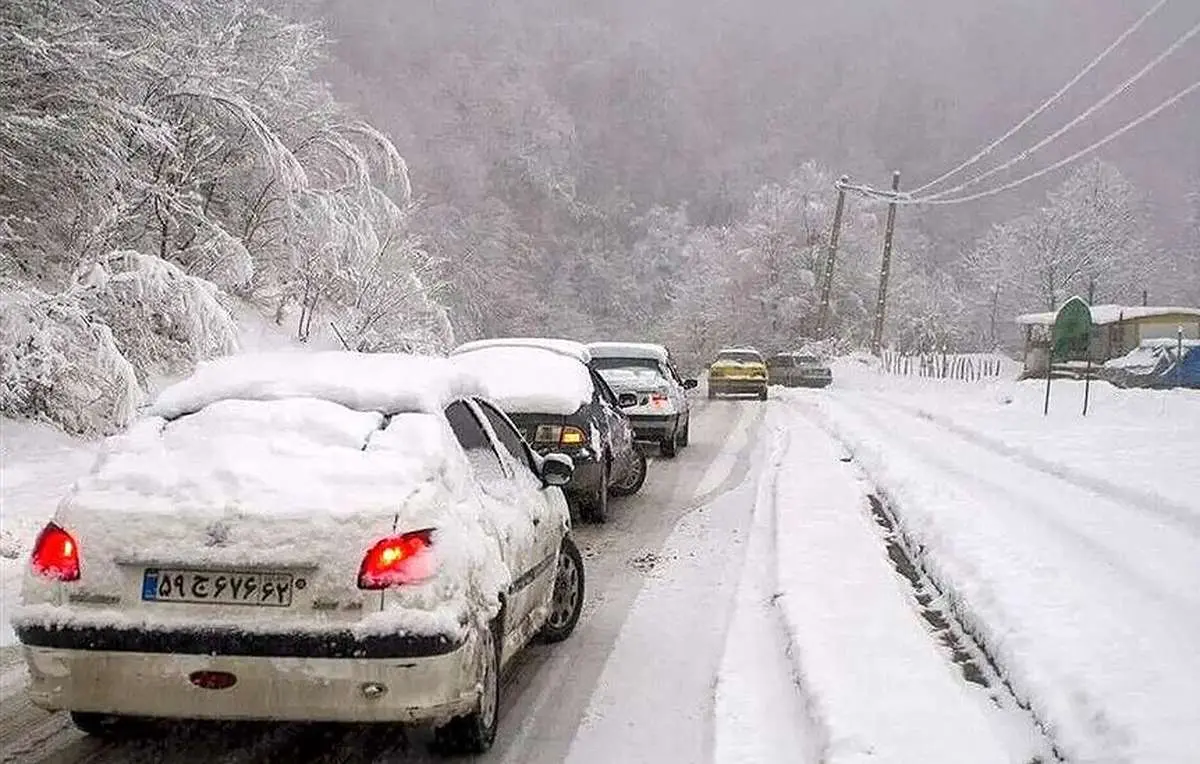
x=384, y=382
x=528, y=380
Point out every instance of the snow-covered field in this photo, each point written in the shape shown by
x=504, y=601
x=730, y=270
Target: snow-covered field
x=1069, y=546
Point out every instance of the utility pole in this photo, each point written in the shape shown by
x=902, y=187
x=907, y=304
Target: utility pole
x=831, y=257
x=885, y=269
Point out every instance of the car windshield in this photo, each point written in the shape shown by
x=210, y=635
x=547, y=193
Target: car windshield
x=808, y=359
x=742, y=356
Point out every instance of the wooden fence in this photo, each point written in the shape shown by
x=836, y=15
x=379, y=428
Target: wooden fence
x=967, y=367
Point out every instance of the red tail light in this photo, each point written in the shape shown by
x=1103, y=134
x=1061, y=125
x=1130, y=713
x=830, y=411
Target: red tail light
x=396, y=560
x=55, y=554
x=659, y=399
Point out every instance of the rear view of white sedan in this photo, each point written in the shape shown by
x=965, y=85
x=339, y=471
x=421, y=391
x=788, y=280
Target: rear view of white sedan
x=317, y=537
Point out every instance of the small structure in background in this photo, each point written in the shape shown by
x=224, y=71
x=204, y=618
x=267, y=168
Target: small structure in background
x=1117, y=330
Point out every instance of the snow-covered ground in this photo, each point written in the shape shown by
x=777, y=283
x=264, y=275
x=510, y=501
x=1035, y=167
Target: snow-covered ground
x=1069, y=546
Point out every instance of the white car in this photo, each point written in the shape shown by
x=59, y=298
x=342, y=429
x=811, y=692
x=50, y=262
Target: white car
x=663, y=412
x=304, y=536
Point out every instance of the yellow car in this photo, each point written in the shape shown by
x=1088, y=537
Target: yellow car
x=738, y=371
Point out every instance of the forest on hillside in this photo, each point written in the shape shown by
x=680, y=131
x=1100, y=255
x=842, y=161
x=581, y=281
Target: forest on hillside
x=419, y=173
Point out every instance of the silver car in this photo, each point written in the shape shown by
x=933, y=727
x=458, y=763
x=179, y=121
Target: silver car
x=662, y=413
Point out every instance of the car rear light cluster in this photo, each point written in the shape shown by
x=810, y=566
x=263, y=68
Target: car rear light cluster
x=397, y=560
x=563, y=435
x=56, y=554
x=659, y=399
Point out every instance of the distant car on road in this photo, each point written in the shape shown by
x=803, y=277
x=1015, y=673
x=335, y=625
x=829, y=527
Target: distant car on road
x=798, y=370
x=332, y=537
x=663, y=412
x=561, y=404
x=738, y=371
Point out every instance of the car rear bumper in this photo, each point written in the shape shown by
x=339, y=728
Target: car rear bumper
x=654, y=427
x=736, y=386
x=417, y=688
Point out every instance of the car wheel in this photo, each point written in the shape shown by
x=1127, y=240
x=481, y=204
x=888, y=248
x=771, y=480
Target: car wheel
x=762, y=395
x=685, y=433
x=668, y=444
x=566, y=605
x=475, y=732
x=711, y=394
x=594, y=508
x=634, y=479
x=101, y=725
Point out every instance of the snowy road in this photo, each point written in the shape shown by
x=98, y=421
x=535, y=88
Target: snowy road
x=662, y=573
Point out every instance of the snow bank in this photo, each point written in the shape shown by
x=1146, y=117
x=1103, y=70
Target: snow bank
x=385, y=382
x=878, y=684
x=1082, y=588
x=528, y=379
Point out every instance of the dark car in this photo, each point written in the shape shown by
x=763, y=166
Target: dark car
x=561, y=405
x=798, y=370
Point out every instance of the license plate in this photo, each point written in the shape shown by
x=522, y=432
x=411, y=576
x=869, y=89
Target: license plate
x=218, y=587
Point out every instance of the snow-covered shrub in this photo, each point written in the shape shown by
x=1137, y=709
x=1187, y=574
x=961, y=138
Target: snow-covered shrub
x=60, y=364
x=162, y=319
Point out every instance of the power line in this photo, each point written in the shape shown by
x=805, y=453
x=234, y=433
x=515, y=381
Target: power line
x=1112, y=94
x=875, y=193
x=1047, y=103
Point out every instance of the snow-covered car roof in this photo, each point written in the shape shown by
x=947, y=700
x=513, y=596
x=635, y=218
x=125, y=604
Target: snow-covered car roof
x=576, y=350
x=629, y=350
x=383, y=382
x=528, y=379
x=1111, y=314
x=739, y=350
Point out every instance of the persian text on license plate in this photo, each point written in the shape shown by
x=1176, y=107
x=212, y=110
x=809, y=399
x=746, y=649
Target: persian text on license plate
x=218, y=587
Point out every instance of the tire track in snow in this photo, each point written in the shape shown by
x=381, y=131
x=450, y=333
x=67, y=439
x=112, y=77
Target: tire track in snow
x=965, y=650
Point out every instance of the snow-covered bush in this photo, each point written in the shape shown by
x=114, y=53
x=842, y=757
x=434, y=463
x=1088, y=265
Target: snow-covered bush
x=61, y=364
x=161, y=318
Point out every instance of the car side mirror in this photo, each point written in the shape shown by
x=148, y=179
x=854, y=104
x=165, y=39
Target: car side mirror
x=627, y=400
x=557, y=469
x=689, y=384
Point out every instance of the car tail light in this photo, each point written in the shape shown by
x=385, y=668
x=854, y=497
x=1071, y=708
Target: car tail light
x=55, y=554
x=659, y=399
x=572, y=436
x=396, y=560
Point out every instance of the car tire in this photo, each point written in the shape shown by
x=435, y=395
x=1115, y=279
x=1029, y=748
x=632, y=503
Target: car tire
x=594, y=508
x=685, y=434
x=475, y=732
x=668, y=445
x=566, y=604
x=762, y=396
x=105, y=726
x=632, y=483
x=711, y=395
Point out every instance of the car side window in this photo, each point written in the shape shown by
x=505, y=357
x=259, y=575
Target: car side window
x=474, y=439
x=506, y=434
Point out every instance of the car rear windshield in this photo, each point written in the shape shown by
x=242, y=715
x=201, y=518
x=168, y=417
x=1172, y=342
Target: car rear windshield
x=629, y=372
x=744, y=356
x=807, y=359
